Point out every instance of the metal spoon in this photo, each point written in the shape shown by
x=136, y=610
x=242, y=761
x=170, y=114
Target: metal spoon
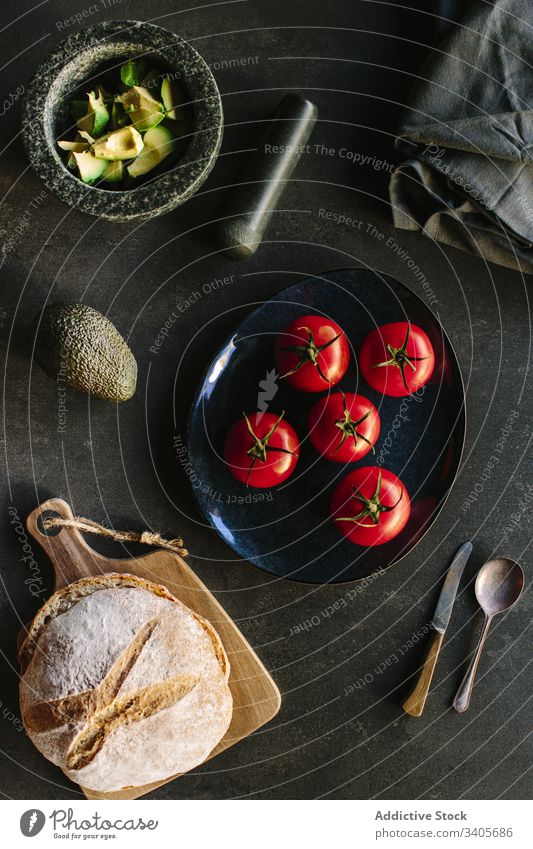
x=499, y=585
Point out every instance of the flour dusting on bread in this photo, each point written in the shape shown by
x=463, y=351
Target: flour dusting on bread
x=122, y=684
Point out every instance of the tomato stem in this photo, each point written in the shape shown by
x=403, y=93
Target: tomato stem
x=400, y=358
x=372, y=507
x=309, y=353
x=260, y=446
x=348, y=427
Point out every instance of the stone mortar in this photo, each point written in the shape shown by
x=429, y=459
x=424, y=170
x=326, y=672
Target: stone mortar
x=80, y=59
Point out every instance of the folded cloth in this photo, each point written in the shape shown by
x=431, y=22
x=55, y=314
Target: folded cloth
x=468, y=133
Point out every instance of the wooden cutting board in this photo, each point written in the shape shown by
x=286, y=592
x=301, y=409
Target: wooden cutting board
x=256, y=699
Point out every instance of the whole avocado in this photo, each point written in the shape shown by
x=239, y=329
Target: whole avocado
x=81, y=347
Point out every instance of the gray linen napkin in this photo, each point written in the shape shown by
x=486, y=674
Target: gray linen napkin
x=468, y=133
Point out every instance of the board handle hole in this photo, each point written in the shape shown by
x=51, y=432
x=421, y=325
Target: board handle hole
x=48, y=532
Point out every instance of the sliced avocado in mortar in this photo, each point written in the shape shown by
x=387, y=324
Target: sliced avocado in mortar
x=114, y=171
x=144, y=111
x=79, y=145
x=74, y=146
x=173, y=98
x=133, y=71
x=158, y=144
x=96, y=119
x=90, y=168
x=125, y=143
x=83, y=136
x=119, y=117
x=86, y=350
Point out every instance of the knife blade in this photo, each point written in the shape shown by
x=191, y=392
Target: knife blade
x=444, y=608
x=414, y=704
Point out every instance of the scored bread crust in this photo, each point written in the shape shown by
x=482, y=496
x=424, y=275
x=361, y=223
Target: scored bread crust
x=122, y=684
x=66, y=597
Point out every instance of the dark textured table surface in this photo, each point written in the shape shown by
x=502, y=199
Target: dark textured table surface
x=341, y=732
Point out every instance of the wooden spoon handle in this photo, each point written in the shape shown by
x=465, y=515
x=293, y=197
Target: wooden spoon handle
x=414, y=704
x=464, y=693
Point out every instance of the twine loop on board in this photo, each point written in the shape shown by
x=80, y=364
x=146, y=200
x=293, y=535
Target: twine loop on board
x=90, y=527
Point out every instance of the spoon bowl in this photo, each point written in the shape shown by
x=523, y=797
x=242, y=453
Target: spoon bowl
x=499, y=585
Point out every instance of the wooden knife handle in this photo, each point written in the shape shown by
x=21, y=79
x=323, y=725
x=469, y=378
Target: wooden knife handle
x=414, y=703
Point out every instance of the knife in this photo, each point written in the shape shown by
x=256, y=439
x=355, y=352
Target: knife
x=414, y=704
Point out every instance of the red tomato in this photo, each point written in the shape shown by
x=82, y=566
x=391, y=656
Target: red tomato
x=312, y=353
x=261, y=449
x=397, y=359
x=370, y=506
x=343, y=427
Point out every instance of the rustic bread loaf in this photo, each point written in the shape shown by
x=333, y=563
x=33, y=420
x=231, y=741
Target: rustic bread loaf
x=122, y=684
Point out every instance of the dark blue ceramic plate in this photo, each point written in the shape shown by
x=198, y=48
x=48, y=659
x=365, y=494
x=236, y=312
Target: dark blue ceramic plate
x=287, y=530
